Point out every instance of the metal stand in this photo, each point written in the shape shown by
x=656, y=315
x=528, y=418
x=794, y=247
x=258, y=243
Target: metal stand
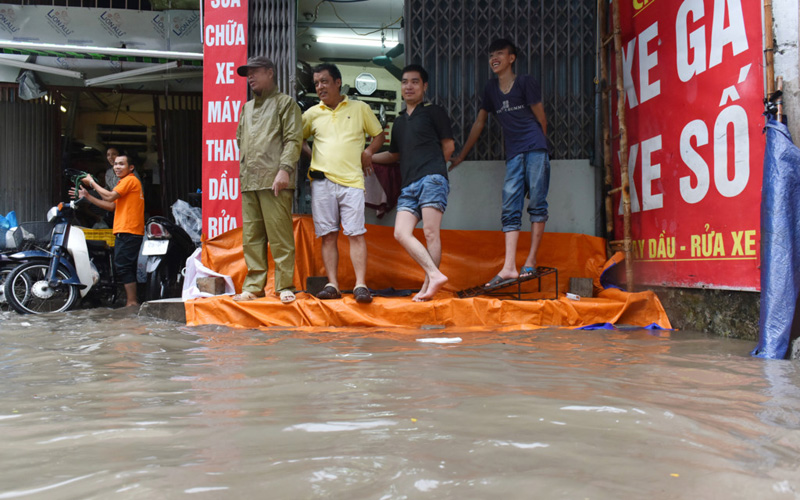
x=541, y=271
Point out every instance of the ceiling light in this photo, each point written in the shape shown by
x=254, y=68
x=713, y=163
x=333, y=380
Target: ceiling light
x=110, y=51
x=125, y=75
x=16, y=63
x=179, y=75
x=364, y=42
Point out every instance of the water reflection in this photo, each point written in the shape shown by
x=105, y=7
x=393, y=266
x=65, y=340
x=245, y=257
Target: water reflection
x=105, y=404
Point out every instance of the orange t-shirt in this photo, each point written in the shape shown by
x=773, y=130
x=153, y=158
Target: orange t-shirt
x=129, y=214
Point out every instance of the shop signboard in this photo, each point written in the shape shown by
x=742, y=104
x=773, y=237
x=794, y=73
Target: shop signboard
x=176, y=30
x=224, y=95
x=694, y=88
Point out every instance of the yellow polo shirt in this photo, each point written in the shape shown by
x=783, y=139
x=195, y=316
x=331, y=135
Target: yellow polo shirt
x=339, y=139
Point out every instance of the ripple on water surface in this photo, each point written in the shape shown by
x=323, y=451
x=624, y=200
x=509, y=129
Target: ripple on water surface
x=101, y=403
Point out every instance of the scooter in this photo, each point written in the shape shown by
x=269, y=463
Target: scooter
x=166, y=248
x=26, y=236
x=54, y=279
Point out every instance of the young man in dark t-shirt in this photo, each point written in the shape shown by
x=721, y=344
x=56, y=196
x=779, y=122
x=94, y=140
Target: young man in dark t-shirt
x=516, y=101
x=422, y=141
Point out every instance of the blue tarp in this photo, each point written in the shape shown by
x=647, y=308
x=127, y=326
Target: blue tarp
x=6, y=222
x=780, y=242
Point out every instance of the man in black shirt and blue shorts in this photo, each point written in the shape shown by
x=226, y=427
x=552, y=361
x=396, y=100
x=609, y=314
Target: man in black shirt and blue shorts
x=422, y=141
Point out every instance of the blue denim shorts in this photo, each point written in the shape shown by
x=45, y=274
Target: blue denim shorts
x=430, y=191
x=526, y=173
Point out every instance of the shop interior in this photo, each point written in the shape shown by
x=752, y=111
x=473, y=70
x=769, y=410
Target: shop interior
x=154, y=112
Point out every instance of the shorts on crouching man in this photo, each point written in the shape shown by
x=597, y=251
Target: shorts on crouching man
x=526, y=174
x=429, y=191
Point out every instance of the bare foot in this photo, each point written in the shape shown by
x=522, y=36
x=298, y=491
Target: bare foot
x=422, y=290
x=435, y=283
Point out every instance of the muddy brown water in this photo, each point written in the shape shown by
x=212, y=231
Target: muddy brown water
x=104, y=404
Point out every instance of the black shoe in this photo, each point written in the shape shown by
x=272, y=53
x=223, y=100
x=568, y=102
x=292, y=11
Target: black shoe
x=362, y=295
x=329, y=292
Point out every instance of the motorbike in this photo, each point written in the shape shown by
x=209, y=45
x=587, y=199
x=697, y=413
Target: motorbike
x=165, y=250
x=55, y=278
x=26, y=236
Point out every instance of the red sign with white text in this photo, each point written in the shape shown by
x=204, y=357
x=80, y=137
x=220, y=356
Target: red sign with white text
x=224, y=95
x=694, y=91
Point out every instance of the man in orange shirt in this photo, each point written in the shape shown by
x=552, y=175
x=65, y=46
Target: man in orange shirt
x=127, y=202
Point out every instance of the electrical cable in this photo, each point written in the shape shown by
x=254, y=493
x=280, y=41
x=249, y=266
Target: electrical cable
x=336, y=13
x=316, y=12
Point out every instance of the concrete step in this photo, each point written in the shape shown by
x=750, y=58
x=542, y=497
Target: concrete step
x=168, y=309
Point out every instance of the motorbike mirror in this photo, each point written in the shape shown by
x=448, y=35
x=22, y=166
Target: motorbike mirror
x=53, y=213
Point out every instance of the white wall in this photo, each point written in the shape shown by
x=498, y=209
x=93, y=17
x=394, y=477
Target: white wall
x=786, y=14
x=475, y=192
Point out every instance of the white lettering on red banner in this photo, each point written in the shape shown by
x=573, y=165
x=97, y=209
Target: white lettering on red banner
x=693, y=89
x=224, y=94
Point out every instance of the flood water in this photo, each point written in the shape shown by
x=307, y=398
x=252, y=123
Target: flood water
x=104, y=404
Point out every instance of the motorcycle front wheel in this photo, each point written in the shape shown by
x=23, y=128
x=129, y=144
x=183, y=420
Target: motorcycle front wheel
x=27, y=291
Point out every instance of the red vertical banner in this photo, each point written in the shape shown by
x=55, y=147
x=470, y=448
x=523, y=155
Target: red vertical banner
x=694, y=87
x=224, y=95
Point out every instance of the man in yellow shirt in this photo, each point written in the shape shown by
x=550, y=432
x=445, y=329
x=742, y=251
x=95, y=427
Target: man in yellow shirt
x=338, y=165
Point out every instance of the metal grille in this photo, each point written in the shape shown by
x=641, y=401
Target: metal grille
x=555, y=42
x=26, y=157
x=272, y=32
x=180, y=136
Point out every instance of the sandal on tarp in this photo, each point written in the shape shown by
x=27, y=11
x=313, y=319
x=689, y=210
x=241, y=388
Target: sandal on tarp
x=362, y=294
x=245, y=296
x=287, y=296
x=498, y=281
x=329, y=292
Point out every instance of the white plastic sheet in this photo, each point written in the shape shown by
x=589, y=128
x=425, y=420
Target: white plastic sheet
x=194, y=270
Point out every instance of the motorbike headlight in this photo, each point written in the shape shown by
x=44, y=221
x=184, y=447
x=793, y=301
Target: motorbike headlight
x=52, y=214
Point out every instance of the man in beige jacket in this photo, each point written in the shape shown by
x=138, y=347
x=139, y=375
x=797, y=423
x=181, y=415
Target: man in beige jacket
x=269, y=136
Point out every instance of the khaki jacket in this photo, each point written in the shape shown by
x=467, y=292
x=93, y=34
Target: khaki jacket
x=269, y=136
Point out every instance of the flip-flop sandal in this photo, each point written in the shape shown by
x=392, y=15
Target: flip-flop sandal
x=329, y=292
x=244, y=296
x=528, y=271
x=287, y=296
x=498, y=281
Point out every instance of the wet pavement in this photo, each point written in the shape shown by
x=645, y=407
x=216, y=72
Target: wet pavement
x=105, y=404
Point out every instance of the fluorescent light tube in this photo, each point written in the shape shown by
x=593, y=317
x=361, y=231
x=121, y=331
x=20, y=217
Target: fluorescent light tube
x=110, y=51
x=364, y=42
x=125, y=75
x=15, y=63
x=181, y=75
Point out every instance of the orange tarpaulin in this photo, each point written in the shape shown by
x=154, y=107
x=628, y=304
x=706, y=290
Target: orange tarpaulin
x=469, y=258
